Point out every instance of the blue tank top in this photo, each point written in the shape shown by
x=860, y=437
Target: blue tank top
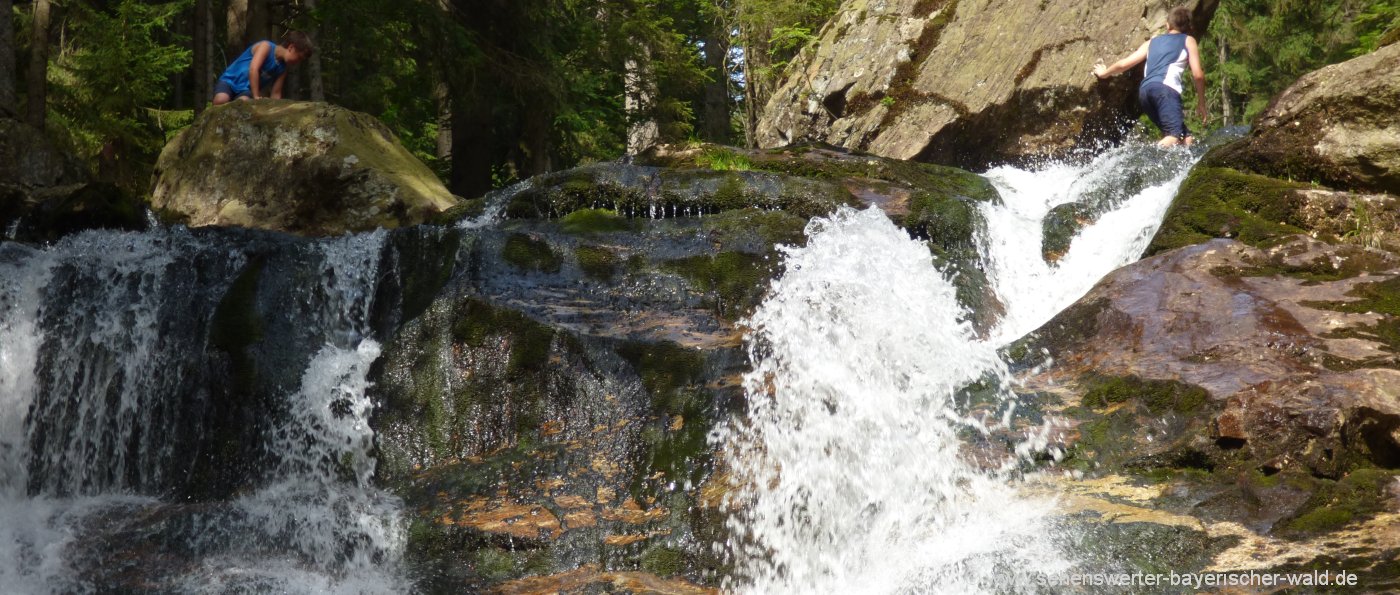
x=1166, y=59
x=236, y=75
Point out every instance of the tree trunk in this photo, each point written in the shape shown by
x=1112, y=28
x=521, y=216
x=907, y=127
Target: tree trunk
x=259, y=22
x=9, y=102
x=203, y=33
x=314, y=81
x=38, y=87
x=537, y=141
x=443, y=96
x=751, y=90
x=236, y=34
x=640, y=89
x=1225, y=113
x=714, y=114
x=472, y=148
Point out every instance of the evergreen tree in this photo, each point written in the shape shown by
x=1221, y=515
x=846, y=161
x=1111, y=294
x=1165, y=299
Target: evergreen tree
x=111, y=79
x=8, y=101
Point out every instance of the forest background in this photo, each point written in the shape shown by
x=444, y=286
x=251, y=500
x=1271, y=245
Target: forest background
x=489, y=92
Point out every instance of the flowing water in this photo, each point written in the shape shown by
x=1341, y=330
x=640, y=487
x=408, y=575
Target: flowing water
x=125, y=385
x=106, y=393
x=852, y=470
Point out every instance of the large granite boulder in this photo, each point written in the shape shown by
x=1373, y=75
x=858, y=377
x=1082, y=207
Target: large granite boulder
x=1338, y=126
x=965, y=82
x=299, y=167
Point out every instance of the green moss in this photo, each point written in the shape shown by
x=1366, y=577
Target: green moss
x=476, y=322
x=1381, y=297
x=1351, y=262
x=531, y=254
x=739, y=225
x=590, y=221
x=736, y=280
x=722, y=159
x=1217, y=202
x=663, y=561
x=1060, y=226
x=237, y=325
x=1360, y=494
x=672, y=375
x=665, y=368
x=597, y=262
x=426, y=261
x=1159, y=396
x=467, y=209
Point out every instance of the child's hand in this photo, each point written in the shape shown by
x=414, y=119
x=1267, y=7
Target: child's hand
x=1100, y=71
x=1202, y=112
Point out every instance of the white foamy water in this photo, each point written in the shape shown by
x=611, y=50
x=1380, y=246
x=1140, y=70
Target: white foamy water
x=851, y=470
x=1034, y=291
x=847, y=467
x=101, y=338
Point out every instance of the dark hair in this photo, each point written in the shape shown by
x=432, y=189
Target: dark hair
x=300, y=41
x=1180, y=19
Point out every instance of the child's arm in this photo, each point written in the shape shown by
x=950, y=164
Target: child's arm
x=1198, y=76
x=260, y=53
x=1123, y=65
x=277, y=86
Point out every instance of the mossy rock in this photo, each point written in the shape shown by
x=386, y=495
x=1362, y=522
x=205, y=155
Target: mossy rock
x=734, y=282
x=1159, y=396
x=1334, y=504
x=1217, y=202
x=594, y=221
x=531, y=254
x=300, y=167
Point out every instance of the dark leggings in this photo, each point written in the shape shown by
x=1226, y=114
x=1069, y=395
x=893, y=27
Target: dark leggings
x=1163, y=105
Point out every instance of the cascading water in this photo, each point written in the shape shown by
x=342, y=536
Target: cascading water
x=108, y=406
x=1134, y=185
x=849, y=472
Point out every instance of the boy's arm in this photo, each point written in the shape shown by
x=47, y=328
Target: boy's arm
x=1198, y=76
x=260, y=52
x=1123, y=65
x=277, y=86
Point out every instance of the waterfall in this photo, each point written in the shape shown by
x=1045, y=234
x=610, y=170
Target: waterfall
x=852, y=470
x=1133, y=185
x=114, y=406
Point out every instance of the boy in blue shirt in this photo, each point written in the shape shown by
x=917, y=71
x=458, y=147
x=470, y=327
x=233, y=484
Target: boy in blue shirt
x=1167, y=57
x=263, y=65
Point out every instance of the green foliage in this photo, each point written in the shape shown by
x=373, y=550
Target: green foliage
x=111, y=75
x=720, y=159
x=1270, y=43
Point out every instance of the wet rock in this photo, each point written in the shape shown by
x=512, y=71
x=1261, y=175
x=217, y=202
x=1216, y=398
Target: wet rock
x=1335, y=126
x=29, y=160
x=964, y=82
x=46, y=192
x=1283, y=363
x=300, y=167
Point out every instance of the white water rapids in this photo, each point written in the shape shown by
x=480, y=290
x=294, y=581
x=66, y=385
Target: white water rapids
x=850, y=470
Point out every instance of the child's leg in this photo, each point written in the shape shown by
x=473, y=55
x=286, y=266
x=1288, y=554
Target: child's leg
x=221, y=98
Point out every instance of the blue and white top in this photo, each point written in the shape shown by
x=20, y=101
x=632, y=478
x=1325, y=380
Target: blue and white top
x=236, y=75
x=1166, y=60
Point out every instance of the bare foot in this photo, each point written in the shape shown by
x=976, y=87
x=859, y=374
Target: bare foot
x=1168, y=142
x=1188, y=141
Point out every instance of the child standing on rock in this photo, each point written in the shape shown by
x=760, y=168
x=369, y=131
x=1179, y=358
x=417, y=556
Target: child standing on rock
x=264, y=64
x=1167, y=56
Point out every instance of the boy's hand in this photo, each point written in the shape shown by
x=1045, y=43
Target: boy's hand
x=1100, y=71
x=1202, y=112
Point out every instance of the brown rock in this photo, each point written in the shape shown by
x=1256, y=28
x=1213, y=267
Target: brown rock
x=965, y=82
x=1337, y=126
